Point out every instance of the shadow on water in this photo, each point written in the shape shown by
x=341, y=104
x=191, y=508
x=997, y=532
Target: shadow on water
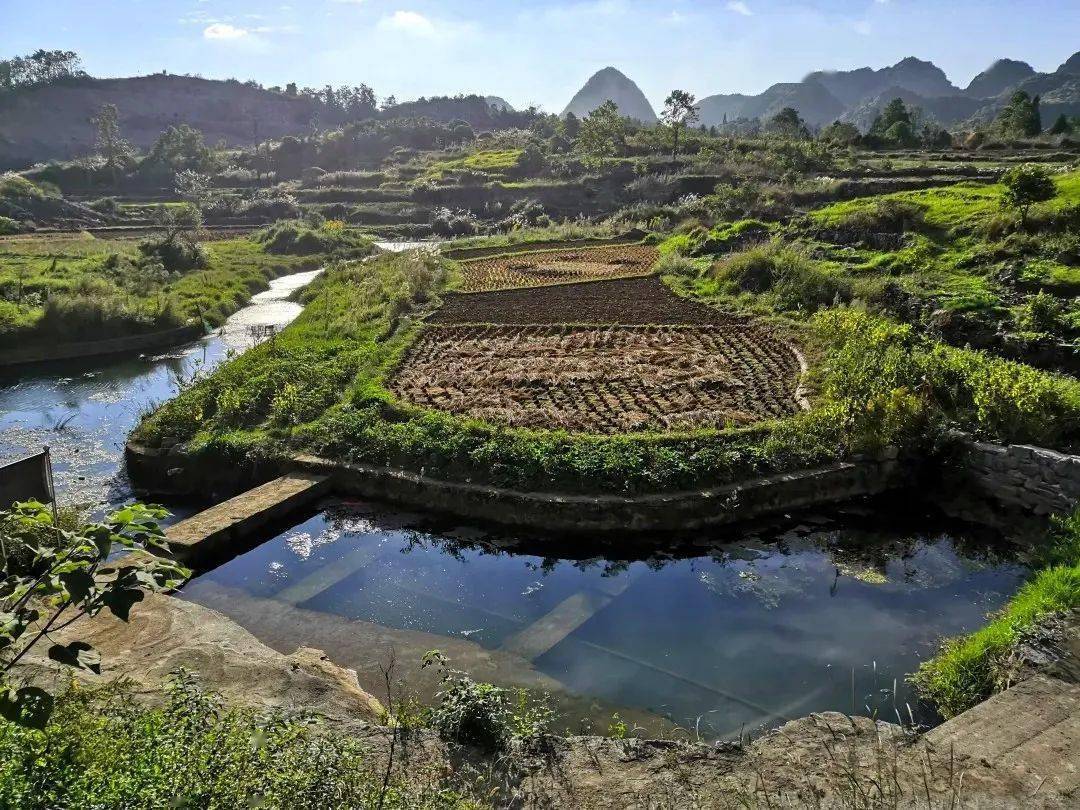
x=718, y=632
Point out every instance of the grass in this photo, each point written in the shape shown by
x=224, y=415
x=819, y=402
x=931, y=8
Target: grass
x=83, y=288
x=498, y=163
x=971, y=668
x=102, y=749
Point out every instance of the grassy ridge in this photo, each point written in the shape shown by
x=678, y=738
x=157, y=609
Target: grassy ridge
x=969, y=669
x=91, y=289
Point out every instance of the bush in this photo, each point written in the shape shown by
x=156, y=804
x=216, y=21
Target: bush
x=795, y=281
x=885, y=216
x=449, y=223
x=101, y=749
x=300, y=239
x=177, y=253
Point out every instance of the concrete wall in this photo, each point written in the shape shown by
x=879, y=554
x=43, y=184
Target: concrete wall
x=1034, y=479
x=672, y=511
x=122, y=345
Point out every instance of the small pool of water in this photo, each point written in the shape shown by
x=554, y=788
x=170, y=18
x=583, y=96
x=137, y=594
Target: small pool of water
x=721, y=633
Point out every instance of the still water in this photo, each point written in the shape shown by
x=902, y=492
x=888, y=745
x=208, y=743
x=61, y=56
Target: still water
x=84, y=410
x=721, y=633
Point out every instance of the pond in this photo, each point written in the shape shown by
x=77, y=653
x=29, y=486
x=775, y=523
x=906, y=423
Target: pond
x=85, y=409
x=721, y=633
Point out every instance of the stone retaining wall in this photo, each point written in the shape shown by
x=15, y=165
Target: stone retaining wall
x=122, y=345
x=672, y=511
x=1037, y=480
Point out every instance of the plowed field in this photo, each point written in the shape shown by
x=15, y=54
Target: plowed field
x=602, y=379
x=557, y=267
x=642, y=300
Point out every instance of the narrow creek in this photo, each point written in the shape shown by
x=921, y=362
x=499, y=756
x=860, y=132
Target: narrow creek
x=719, y=633
x=85, y=409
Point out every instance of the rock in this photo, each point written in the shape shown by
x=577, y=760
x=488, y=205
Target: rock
x=166, y=633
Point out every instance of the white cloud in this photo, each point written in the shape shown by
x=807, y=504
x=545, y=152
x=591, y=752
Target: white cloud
x=409, y=22
x=739, y=7
x=224, y=31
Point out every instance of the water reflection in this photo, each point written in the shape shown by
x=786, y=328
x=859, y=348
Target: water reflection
x=720, y=633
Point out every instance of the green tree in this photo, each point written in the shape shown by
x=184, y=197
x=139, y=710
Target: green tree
x=680, y=111
x=1021, y=118
x=110, y=145
x=602, y=135
x=841, y=133
x=1025, y=186
x=1062, y=126
x=178, y=149
x=789, y=124
x=53, y=575
x=571, y=126
x=895, y=124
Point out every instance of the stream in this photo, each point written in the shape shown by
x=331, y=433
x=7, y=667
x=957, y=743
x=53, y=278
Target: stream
x=84, y=409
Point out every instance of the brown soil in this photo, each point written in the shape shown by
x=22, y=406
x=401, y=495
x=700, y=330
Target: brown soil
x=557, y=266
x=602, y=379
x=641, y=300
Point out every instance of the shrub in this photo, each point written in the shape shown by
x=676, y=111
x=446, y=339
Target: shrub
x=9, y=226
x=177, y=253
x=795, y=281
x=102, y=749
x=300, y=239
x=885, y=216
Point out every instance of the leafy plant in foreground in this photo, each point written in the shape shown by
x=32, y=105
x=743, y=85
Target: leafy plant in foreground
x=53, y=575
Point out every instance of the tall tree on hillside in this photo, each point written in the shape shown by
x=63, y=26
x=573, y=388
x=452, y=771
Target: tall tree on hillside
x=1021, y=118
x=602, y=134
x=680, y=111
x=1062, y=126
x=111, y=146
x=789, y=124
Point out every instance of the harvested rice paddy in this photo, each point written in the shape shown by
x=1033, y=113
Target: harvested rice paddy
x=540, y=268
x=611, y=379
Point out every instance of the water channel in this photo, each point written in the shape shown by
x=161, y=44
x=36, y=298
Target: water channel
x=719, y=632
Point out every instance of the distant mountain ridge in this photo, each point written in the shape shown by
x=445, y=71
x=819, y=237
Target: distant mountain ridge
x=856, y=96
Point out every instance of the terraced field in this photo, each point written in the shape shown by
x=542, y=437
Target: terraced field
x=539, y=268
x=605, y=357
x=610, y=379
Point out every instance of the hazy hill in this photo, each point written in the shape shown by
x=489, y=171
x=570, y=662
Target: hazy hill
x=856, y=96
x=812, y=99
x=998, y=78
x=611, y=85
x=852, y=86
x=53, y=121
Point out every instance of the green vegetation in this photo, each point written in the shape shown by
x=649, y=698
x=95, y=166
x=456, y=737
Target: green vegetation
x=81, y=288
x=971, y=668
x=55, y=572
x=496, y=164
x=320, y=387
x=102, y=749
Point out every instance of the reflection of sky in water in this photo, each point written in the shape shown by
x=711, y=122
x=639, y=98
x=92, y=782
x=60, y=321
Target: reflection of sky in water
x=754, y=632
x=84, y=410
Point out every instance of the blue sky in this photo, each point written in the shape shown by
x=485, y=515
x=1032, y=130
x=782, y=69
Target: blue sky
x=538, y=51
